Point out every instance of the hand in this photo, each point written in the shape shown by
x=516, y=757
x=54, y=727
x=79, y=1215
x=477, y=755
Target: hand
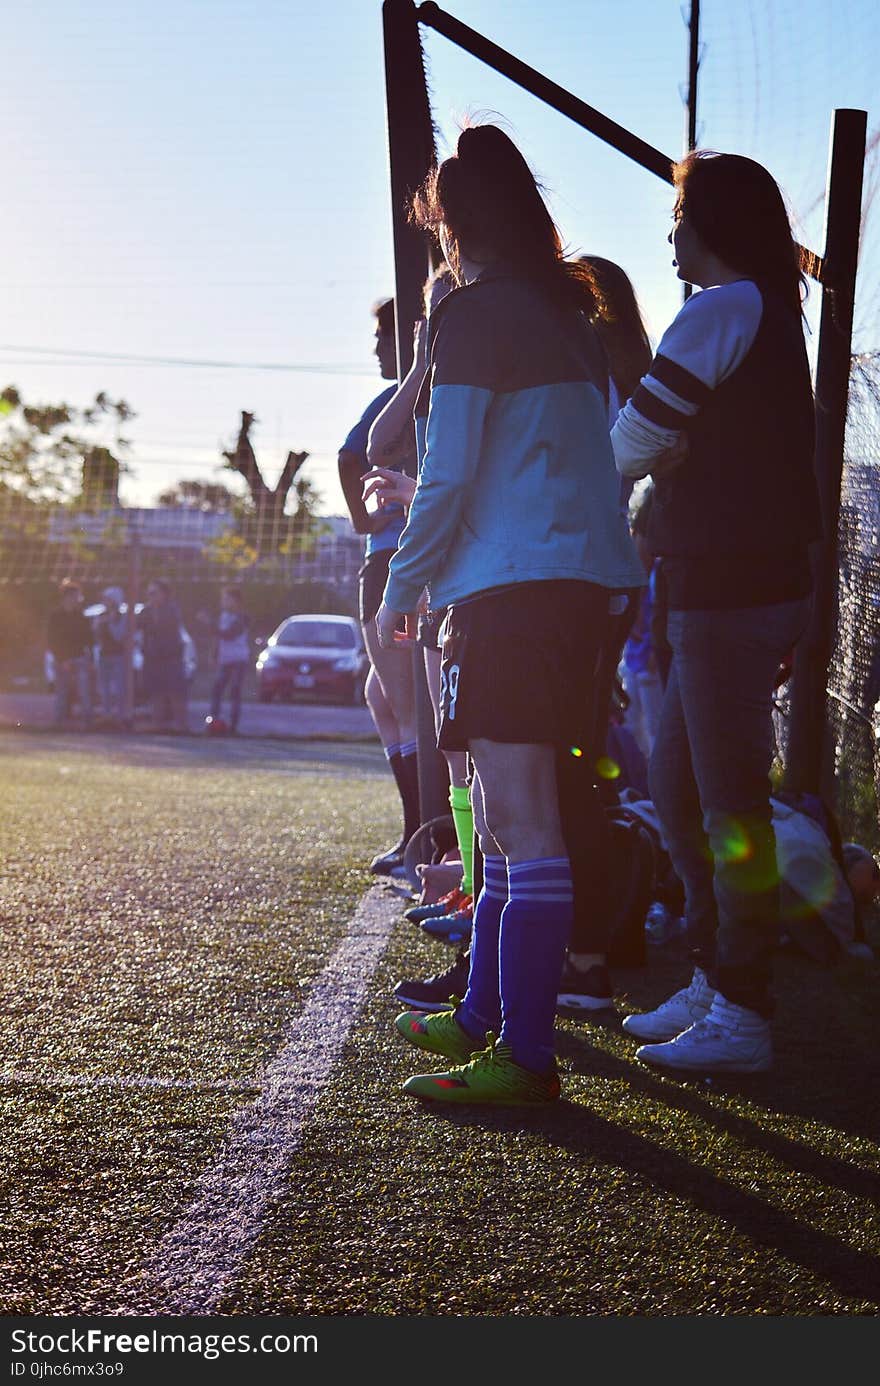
x=386, y=624
x=389, y=487
x=671, y=458
x=420, y=343
x=386, y=628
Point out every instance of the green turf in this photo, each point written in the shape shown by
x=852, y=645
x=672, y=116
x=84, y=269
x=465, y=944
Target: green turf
x=638, y=1195
x=164, y=907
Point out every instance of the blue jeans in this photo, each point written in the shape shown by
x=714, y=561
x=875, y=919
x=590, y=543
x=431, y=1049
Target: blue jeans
x=709, y=779
x=111, y=673
x=233, y=675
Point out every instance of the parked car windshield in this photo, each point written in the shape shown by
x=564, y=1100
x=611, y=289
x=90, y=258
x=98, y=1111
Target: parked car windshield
x=317, y=634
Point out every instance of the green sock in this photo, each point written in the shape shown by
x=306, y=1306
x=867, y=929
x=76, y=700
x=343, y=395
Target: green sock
x=463, y=817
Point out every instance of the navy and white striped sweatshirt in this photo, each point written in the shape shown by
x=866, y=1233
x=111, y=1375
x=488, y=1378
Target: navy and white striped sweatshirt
x=732, y=523
x=517, y=482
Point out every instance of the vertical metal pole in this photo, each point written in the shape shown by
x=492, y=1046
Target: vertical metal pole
x=691, y=105
x=809, y=759
x=693, y=70
x=132, y=596
x=411, y=154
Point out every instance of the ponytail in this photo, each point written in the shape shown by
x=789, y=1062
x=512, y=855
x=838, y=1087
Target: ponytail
x=486, y=198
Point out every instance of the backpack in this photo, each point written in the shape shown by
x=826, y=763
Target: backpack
x=633, y=886
x=634, y=876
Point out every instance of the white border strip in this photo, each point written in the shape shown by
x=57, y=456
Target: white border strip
x=203, y=1253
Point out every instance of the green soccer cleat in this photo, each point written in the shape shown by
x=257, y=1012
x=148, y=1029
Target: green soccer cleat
x=490, y=1077
x=439, y=1033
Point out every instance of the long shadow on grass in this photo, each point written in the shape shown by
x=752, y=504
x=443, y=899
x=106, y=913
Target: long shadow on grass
x=574, y=1128
x=825, y=1066
x=682, y=1095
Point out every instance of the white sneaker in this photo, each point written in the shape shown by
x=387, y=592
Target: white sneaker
x=676, y=1014
x=729, y=1039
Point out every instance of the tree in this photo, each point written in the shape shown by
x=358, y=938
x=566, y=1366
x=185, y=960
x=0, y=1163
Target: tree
x=57, y=453
x=265, y=528
x=265, y=498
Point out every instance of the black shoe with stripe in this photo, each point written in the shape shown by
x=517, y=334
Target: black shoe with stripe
x=584, y=991
x=433, y=993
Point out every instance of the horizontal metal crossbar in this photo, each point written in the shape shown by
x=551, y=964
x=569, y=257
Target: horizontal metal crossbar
x=605, y=129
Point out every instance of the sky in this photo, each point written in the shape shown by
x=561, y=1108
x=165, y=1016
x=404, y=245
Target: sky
x=203, y=184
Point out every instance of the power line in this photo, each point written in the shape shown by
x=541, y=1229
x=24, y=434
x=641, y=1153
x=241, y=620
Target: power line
x=130, y=358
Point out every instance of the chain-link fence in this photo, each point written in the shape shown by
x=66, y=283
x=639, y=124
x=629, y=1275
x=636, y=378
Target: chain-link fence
x=854, y=676
x=281, y=569
x=285, y=567
x=853, y=703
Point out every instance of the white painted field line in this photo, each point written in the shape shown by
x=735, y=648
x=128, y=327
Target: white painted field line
x=203, y=1253
x=14, y=1078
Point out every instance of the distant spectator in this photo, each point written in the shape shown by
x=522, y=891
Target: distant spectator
x=70, y=644
x=110, y=638
x=232, y=651
x=164, y=677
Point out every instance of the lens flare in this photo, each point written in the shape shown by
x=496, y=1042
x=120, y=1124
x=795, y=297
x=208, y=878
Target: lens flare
x=747, y=848
x=736, y=845
x=607, y=768
x=576, y=751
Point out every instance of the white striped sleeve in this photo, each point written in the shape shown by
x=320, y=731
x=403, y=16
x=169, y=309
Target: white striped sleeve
x=709, y=338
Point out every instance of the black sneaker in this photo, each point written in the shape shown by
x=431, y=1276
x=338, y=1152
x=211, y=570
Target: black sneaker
x=434, y=992
x=584, y=991
x=388, y=862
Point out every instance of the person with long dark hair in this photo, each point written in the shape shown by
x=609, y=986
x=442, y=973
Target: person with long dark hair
x=621, y=331
x=515, y=526
x=723, y=421
x=586, y=983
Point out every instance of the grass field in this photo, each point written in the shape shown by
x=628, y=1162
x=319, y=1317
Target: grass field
x=177, y=919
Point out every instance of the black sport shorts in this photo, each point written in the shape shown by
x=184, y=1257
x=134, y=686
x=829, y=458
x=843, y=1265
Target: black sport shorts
x=429, y=628
x=519, y=665
x=372, y=577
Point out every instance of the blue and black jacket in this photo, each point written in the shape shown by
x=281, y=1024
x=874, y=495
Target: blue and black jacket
x=517, y=482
